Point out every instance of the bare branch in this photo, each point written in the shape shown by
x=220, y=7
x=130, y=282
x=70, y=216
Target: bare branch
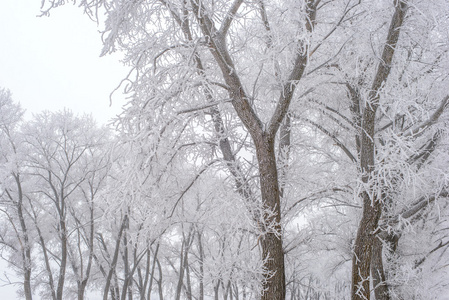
x=334, y=138
x=420, y=204
x=338, y=113
x=230, y=17
x=433, y=118
x=203, y=107
x=427, y=149
x=191, y=184
x=289, y=87
x=346, y=11
x=316, y=194
x=439, y=246
x=219, y=50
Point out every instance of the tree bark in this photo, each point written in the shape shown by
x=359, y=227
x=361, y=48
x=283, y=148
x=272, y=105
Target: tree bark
x=377, y=272
x=372, y=203
x=271, y=240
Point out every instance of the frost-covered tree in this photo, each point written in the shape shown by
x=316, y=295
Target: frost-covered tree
x=64, y=158
x=16, y=237
x=391, y=103
x=239, y=59
x=337, y=105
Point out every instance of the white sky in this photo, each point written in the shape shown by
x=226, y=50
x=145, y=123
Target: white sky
x=53, y=62
x=49, y=63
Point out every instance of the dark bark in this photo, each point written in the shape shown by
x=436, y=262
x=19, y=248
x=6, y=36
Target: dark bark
x=271, y=241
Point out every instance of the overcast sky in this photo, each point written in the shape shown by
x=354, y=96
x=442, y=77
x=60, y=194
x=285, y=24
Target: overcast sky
x=49, y=63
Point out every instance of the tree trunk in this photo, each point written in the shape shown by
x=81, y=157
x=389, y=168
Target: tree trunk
x=113, y=263
x=159, y=282
x=153, y=268
x=372, y=202
x=363, y=248
x=26, y=248
x=45, y=253
x=201, y=268
x=263, y=136
x=63, y=265
x=271, y=239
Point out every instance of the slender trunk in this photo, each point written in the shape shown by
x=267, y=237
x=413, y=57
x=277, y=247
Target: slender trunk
x=187, y=272
x=143, y=282
x=201, y=262
x=63, y=265
x=181, y=271
x=114, y=260
x=216, y=289
x=236, y=291
x=150, y=285
x=26, y=248
x=45, y=253
x=91, y=253
x=126, y=263
x=47, y=265
x=159, y=282
x=227, y=291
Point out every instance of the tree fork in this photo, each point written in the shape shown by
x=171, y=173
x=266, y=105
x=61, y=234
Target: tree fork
x=372, y=204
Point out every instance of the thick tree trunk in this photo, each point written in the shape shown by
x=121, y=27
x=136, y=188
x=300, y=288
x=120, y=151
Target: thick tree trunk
x=271, y=239
x=372, y=210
